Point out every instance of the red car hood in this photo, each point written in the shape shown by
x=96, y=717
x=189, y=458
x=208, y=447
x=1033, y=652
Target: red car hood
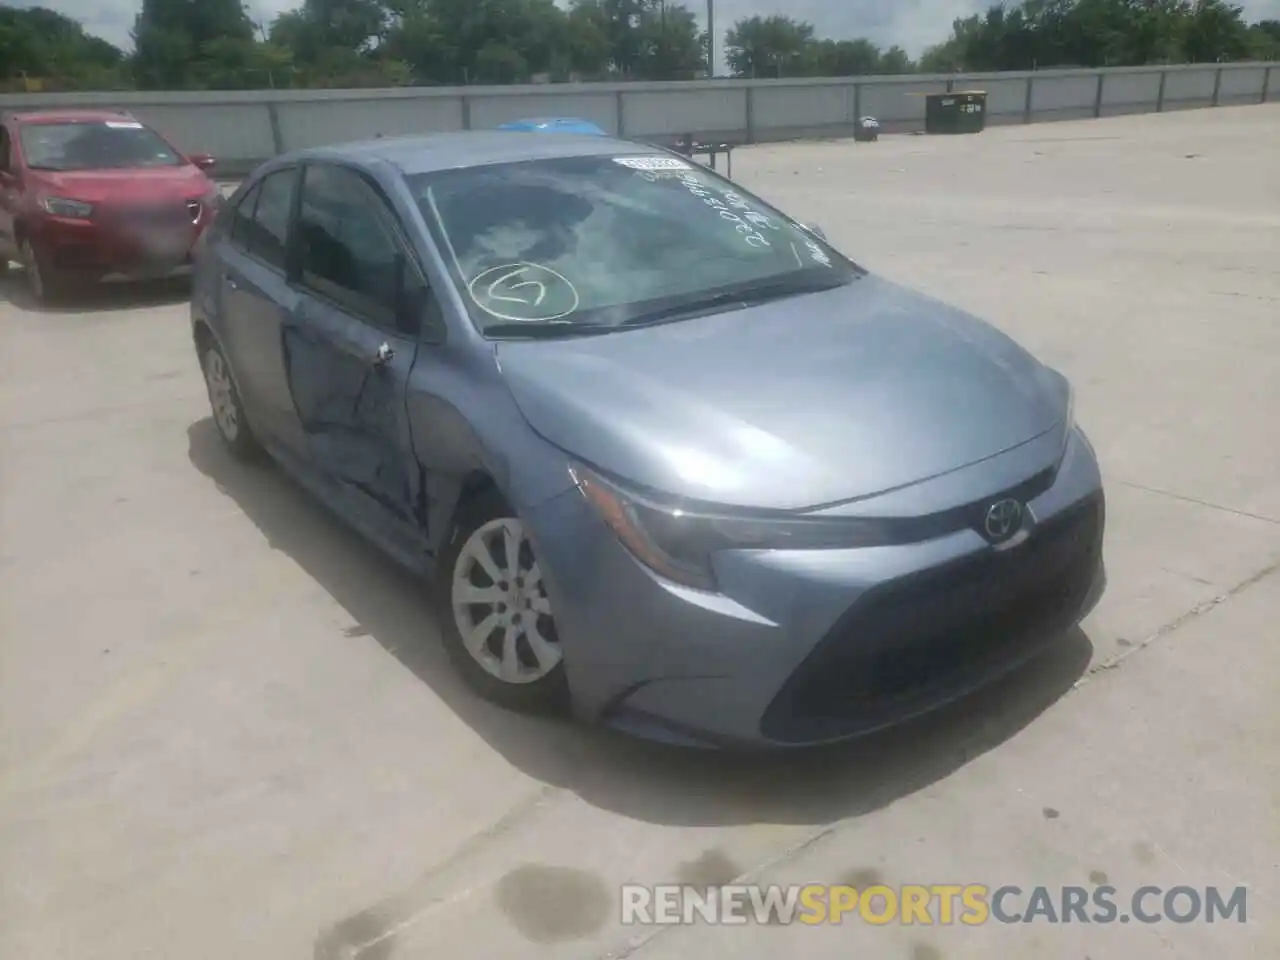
x=125, y=186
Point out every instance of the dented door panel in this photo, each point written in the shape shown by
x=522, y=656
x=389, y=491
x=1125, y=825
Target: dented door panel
x=352, y=408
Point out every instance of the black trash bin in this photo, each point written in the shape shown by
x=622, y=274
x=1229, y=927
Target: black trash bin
x=962, y=111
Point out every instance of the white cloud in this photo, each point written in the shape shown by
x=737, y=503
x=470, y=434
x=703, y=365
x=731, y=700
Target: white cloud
x=912, y=24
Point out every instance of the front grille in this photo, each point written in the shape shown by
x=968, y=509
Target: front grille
x=156, y=216
x=911, y=641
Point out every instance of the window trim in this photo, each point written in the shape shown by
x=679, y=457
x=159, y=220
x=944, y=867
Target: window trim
x=290, y=219
x=359, y=307
x=234, y=214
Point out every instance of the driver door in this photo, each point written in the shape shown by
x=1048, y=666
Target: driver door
x=352, y=367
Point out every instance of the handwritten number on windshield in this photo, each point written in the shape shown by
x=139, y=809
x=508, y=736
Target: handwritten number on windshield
x=746, y=223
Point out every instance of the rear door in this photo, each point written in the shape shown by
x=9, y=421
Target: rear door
x=259, y=308
x=352, y=374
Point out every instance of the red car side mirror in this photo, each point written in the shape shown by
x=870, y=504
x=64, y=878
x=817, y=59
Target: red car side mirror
x=203, y=160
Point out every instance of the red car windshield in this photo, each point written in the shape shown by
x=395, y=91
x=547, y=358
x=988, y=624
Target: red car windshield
x=94, y=145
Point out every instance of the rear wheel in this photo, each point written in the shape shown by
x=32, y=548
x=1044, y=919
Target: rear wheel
x=498, y=624
x=224, y=401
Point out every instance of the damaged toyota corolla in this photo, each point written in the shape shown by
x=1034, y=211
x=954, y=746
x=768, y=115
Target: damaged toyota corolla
x=669, y=460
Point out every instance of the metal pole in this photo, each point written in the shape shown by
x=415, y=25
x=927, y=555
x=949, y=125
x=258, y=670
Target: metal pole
x=711, y=38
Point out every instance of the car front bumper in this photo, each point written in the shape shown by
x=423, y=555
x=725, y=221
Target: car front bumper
x=103, y=248
x=810, y=647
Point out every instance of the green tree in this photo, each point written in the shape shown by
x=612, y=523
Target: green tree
x=1091, y=33
x=172, y=37
x=774, y=46
x=41, y=46
x=670, y=45
x=1264, y=40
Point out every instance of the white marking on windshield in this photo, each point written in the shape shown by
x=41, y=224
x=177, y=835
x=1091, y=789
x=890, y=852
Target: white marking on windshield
x=502, y=283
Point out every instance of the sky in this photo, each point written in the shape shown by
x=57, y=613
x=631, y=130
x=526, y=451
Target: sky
x=911, y=24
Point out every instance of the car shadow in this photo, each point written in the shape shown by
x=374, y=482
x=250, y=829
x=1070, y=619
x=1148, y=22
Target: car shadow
x=98, y=297
x=643, y=781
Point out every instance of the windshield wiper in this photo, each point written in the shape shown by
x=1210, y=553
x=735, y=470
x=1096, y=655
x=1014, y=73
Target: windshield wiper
x=744, y=297
x=545, y=329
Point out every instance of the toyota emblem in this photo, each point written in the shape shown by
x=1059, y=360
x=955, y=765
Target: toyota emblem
x=1003, y=519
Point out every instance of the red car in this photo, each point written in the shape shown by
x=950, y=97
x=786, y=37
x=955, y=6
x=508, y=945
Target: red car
x=90, y=194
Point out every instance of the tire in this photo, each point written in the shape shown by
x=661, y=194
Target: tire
x=42, y=278
x=525, y=674
x=225, y=405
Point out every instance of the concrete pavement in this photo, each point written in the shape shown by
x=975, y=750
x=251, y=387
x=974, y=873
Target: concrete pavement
x=227, y=729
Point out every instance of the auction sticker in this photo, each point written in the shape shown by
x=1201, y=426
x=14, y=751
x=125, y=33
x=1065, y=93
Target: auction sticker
x=652, y=163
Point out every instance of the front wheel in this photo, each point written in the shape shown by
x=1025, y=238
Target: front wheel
x=498, y=626
x=42, y=281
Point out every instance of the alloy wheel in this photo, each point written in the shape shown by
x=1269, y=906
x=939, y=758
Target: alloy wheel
x=500, y=604
x=221, y=395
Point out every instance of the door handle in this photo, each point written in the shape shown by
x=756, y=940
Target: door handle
x=384, y=355
x=230, y=281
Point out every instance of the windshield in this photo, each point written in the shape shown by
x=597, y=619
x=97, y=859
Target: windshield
x=591, y=243
x=94, y=145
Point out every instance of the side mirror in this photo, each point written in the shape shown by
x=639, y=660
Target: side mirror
x=816, y=230
x=203, y=160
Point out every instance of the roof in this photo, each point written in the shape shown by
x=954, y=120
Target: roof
x=67, y=116
x=446, y=151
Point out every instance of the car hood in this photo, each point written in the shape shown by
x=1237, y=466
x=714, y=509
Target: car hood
x=802, y=402
x=125, y=186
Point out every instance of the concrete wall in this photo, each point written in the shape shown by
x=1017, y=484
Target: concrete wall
x=243, y=128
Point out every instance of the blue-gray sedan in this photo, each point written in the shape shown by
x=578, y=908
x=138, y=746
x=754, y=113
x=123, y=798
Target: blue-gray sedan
x=669, y=459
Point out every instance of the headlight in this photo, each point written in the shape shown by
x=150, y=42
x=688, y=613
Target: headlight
x=62, y=207
x=677, y=543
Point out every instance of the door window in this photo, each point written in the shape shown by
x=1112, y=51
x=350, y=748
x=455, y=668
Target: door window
x=5, y=164
x=242, y=218
x=348, y=251
x=268, y=232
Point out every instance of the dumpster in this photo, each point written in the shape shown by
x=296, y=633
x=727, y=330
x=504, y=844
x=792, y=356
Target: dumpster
x=961, y=111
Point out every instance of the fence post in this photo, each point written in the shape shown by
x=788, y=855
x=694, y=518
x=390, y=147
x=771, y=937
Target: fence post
x=1160, y=92
x=750, y=110
x=1097, y=97
x=1266, y=84
x=1027, y=104
x=277, y=136
x=619, y=109
x=1217, y=85
x=464, y=105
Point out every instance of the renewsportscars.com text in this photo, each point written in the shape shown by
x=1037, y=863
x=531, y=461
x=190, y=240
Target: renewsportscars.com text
x=931, y=904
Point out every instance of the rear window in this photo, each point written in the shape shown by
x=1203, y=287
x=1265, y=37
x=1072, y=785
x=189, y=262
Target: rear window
x=94, y=145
